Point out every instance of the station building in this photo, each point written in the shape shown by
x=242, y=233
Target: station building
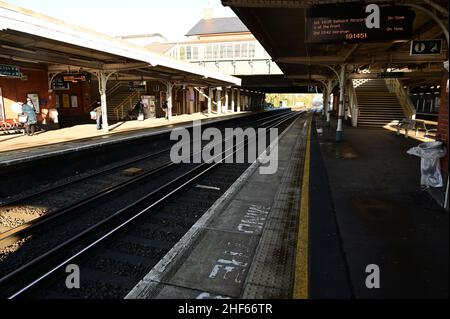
x=66, y=70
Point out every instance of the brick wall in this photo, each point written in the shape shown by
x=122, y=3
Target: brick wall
x=443, y=120
x=16, y=90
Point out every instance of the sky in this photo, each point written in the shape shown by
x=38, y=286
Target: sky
x=171, y=18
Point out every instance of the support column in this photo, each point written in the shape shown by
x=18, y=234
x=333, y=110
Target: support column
x=227, y=100
x=238, y=100
x=233, y=104
x=341, y=104
x=210, y=99
x=102, y=82
x=169, y=100
x=219, y=100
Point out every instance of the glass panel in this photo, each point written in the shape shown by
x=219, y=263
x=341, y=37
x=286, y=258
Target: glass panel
x=188, y=52
x=195, y=52
x=182, y=52
x=244, y=50
x=229, y=49
x=209, y=52
x=222, y=51
x=252, y=50
x=216, y=51
x=237, y=50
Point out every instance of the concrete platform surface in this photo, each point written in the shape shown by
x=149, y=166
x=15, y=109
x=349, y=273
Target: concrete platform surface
x=244, y=246
x=372, y=189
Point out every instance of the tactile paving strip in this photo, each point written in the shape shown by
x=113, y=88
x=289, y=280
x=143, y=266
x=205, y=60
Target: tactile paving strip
x=272, y=272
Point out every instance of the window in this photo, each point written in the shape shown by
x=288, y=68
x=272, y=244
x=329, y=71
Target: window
x=188, y=52
x=195, y=50
x=209, y=52
x=237, y=50
x=251, y=50
x=223, y=52
x=244, y=50
x=216, y=51
x=229, y=51
x=182, y=53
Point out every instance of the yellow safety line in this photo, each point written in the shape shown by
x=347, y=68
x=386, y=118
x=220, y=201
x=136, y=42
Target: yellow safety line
x=301, y=284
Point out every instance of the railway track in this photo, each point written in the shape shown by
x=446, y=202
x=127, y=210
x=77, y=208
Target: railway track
x=116, y=251
x=22, y=213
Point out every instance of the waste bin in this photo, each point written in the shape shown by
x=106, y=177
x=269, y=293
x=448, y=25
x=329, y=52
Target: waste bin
x=430, y=153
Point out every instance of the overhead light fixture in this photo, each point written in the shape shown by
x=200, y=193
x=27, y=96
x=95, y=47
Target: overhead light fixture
x=18, y=49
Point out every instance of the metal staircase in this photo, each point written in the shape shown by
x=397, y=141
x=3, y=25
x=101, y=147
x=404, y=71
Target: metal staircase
x=377, y=105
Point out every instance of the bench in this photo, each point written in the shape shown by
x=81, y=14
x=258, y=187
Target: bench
x=8, y=128
x=409, y=124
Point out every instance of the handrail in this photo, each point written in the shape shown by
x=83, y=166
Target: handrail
x=121, y=107
x=110, y=91
x=395, y=86
x=354, y=106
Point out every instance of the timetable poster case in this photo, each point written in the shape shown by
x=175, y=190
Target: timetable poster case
x=35, y=99
x=346, y=22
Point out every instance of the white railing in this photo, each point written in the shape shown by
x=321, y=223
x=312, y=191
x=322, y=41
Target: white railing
x=127, y=104
x=395, y=86
x=353, y=100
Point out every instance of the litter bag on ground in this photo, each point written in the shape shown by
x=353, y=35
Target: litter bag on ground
x=430, y=153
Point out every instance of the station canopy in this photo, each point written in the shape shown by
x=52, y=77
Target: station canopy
x=298, y=36
x=35, y=39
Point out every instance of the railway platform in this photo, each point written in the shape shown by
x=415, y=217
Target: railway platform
x=16, y=149
x=311, y=230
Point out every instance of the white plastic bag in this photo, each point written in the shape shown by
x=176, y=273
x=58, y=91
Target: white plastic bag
x=430, y=153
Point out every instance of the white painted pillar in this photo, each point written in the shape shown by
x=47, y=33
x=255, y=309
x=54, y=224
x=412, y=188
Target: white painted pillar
x=210, y=99
x=169, y=99
x=238, y=100
x=219, y=100
x=102, y=82
x=233, y=104
x=341, y=105
x=227, y=100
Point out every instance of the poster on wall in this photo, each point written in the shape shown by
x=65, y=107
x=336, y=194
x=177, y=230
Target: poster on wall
x=66, y=101
x=74, y=101
x=35, y=99
x=57, y=97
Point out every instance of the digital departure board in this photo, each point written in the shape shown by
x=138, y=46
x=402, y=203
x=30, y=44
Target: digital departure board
x=360, y=22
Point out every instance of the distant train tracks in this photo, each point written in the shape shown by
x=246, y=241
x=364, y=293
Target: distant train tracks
x=175, y=203
x=20, y=214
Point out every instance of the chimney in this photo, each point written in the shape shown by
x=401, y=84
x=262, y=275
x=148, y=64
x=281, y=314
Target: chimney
x=208, y=13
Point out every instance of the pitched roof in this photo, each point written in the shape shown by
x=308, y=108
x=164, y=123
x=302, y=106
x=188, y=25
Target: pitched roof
x=217, y=26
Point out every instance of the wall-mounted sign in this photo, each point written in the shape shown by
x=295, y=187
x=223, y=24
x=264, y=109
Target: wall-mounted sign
x=426, y=47
x=75, y=78
x=136, y=86
x=358, y=22
x=391, y=75
x=35, y=100
x=10, y=71
x=60, y=85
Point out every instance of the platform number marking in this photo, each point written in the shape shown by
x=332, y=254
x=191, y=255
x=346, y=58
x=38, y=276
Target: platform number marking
x=426, y=47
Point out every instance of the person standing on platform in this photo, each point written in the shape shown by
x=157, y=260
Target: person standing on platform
x=29, y=110
x=166, y=110
x=99, y=115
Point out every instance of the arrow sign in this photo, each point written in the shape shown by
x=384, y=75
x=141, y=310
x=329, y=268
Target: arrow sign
x=426, y=47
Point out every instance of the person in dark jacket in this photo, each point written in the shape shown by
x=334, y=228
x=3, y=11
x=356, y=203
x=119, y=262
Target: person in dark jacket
x=29, y=110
